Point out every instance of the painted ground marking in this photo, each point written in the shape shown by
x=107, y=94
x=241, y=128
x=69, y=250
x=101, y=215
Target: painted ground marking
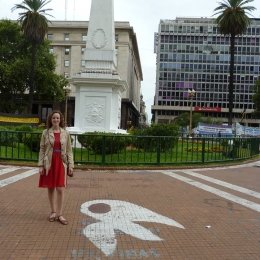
x=8, y=169
x=252, y=164
x=18, y=177
x=119, y=215
x=223, y=194
x=224, y=184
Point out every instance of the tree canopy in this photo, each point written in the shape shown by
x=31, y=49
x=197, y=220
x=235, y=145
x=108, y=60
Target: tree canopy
x=15, y=66
x=183, y=119
x=233, y=16
x=33, y=19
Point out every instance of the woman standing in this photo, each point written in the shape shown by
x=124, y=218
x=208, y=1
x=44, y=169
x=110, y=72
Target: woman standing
x=55, y=162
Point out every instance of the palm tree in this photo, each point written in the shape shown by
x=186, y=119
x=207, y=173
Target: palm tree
x=34, y=26
x=233, y=20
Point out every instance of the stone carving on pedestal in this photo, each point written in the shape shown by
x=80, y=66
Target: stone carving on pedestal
x=99, y=39
x=95, y=114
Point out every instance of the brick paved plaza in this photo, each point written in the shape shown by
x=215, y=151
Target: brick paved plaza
x=142, y=214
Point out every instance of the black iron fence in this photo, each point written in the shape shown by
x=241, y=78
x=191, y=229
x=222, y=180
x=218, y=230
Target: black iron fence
x=134, y=150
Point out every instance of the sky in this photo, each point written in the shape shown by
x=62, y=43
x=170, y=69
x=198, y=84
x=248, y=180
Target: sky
x=143, y=15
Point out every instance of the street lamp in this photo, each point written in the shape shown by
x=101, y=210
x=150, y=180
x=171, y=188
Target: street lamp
x=67, y=90
x=191, y=94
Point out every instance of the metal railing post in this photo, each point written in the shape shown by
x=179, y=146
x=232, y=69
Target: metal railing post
x=103, y=149
x=203, y=151
x=158, y=150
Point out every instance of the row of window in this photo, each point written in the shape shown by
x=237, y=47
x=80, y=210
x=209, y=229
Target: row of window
x=205, y=114
x=67, y=50
x=211, y=68
x=202, y=96
x=66, y=37
x=222, y=104
x=207, y=92
x=193, y=77
x=67, y=63
x=242, y=40
x=199, y=28
x=214, y=51
x=219, y=87
x=220, y=58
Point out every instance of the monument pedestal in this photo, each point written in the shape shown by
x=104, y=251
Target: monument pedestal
x=98, y=103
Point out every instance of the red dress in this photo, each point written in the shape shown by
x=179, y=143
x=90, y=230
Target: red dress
x=56, y=175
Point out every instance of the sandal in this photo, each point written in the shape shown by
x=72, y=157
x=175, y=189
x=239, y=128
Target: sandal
x=62, y=220
x=52, y=216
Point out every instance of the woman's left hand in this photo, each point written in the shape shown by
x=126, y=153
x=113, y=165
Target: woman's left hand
x=70, y=172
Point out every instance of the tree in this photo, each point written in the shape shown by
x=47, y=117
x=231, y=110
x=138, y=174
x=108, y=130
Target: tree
x=13, y=65
x=15, y=68
x=256, y=99
x=49, y=84
x=34, y=26
x=233, y=20
x=184, y=118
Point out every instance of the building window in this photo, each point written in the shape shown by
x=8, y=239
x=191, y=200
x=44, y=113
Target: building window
x=82, y=50
x=84, y=37
x=67, y=51
x=45, y=112
x=66, y=63
x=66, y=75
x=50, y=36
x=83, y=63
x=116, y=37
x=66, y=36
x=51, y=50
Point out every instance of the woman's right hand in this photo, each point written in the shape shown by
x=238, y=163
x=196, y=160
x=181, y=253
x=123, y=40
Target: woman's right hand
x=41, y=170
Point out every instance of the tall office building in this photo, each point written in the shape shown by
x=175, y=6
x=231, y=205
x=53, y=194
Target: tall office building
x=68, y=42
x=192, y=54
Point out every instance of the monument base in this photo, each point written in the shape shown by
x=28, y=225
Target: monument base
x=76, y=130
x=98, y=102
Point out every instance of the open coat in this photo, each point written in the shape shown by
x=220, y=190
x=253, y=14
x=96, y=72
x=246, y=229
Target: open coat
x=46, y=149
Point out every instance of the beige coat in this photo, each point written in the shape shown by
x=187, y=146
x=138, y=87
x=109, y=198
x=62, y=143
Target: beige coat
x=46, y=149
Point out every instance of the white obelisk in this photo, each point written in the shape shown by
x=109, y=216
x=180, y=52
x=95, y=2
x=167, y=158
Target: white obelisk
x=99, y=88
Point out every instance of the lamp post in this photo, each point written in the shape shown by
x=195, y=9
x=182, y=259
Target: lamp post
x=67, y=90
x=191, y=94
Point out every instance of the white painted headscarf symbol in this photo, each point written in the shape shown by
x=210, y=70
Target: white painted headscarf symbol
x=119, y=215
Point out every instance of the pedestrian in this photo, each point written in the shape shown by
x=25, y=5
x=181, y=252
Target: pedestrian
x=55, y=163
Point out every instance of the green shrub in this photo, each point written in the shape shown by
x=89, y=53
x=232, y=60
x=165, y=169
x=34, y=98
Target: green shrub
x=97, y=141
x=3, y=128
x=32, y=140
x=23, y=129
x=8, y=138
x=149, y=141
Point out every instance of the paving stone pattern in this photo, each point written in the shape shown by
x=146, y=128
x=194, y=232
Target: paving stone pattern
x=214, y=227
